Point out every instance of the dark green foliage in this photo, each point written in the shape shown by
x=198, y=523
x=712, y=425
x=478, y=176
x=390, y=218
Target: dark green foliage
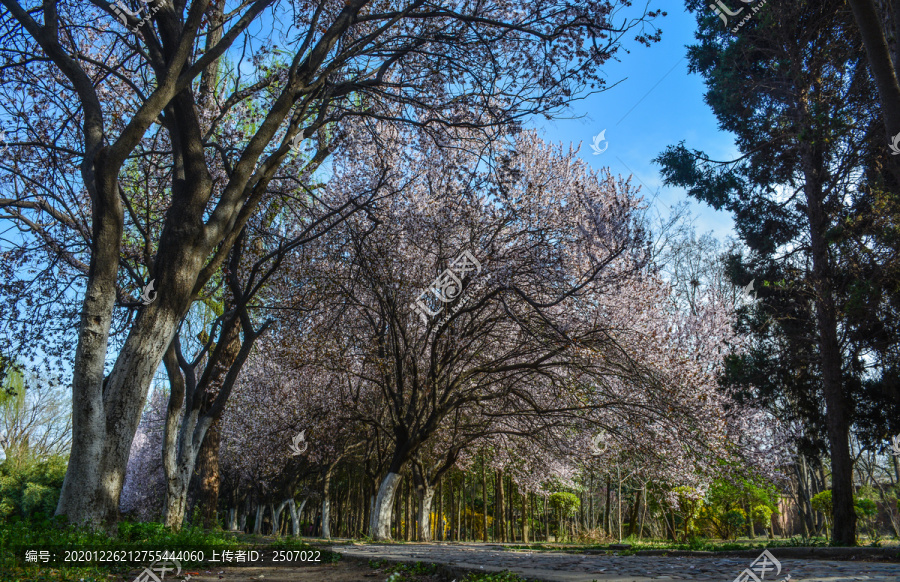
x=735, y=520
x=30, y=489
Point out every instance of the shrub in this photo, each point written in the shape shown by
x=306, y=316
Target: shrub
x=864, y=508
x=822, y=502
x=30, y=489
x=735, y=520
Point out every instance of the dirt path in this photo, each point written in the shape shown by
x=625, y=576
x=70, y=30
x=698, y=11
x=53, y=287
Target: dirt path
x=564, y=567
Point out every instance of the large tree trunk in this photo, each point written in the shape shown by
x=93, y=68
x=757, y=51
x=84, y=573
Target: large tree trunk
x=179, y=452
x=176, y=497
x=384, y=502
x=106, y=412
x=90, y=491
x=197, y=444
x=425, y=495
x=208, y=456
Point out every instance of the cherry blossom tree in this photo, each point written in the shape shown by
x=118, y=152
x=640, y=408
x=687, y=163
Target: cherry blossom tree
x=558, y=321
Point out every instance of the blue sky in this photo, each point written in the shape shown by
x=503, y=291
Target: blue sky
x=639, y=125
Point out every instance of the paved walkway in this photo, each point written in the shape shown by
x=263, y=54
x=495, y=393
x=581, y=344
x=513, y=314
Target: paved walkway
x=557, y=567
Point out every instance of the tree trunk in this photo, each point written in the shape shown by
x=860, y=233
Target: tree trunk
x=326, y=500
x=524, y=519
x=499, y=525
x=750, y=519
x=106, y=411
x=208, y=476
x=407, y=518
x=606, y=524
x=510, y=514
x=91, y=487
x=632, y=520
x=425, y=495
x=381, y=515
x=619, y=501
x=257, y=522
x=546, y=520
x=276, y=517
x=176, y=500
x=439, y=527
x=537, y=532
x=881, y=64
x=643, y=514
x=804, y=505
x=484, y=509
x=326, y=516
x=295, y=516
x=590, y=513
x=838, y=412
x=178, y=467
x=242, y=525
x=459, y=505
x=468, y=515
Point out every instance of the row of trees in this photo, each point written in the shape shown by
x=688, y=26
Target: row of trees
x=557, y=329
x=181, y=164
